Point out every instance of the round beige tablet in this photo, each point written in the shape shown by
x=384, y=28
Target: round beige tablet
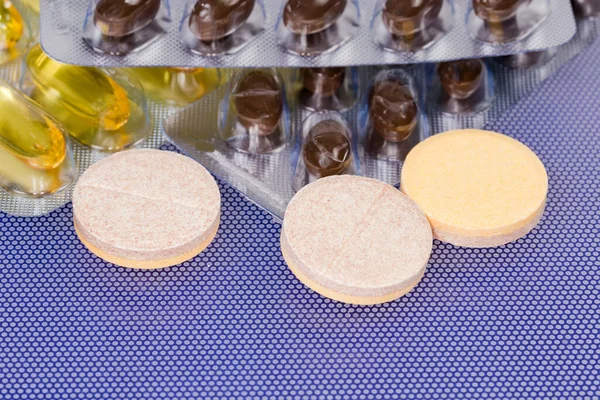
x=477, y=188
x=355, y=240
x=146, y=208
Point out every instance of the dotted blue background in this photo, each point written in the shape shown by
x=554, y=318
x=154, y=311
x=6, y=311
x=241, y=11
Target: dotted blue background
x=520, y=321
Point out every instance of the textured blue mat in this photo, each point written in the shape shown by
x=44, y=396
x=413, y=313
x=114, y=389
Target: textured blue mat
x=521, y=321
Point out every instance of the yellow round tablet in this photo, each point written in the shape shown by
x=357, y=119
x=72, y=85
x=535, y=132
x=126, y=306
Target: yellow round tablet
x=477, y=188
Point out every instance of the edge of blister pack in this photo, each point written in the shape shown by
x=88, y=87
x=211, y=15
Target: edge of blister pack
x=62, y=22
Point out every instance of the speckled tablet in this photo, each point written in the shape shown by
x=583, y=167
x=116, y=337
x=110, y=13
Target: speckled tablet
x=355, y=240
x=146, y=209
x=477, y=188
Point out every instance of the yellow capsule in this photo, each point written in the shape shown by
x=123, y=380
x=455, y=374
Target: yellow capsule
x=89, y=134
x=33, y=147
x=97, y=110
x=11, y=25
x=177, y=86
x=33, y=5
x=86, y=92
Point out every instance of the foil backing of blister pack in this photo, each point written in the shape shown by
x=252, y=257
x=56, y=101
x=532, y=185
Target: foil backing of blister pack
x=84, y=157
x=62, y=24
x=267, y=180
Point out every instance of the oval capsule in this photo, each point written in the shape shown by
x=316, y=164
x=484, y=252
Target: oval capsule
x=97, y=110
x=33, y=146
x=86, y=92
x=118, y=18
x=11, y=25
x=393, y=110
x=177, y=86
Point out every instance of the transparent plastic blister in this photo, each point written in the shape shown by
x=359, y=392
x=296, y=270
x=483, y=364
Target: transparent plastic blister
x=102, y=109
x=408, y=26
x=119, y=27
x=327, y=88
x=37, y=164
x=210, y=27
x=253, y=116
x=176, y=87
x=532, y=59
x=18, y=29
x=304, y=33
x=33, y=5
x=463, y=87
x=312, y=27
x=325, y=146
x=392, y=121
x=505, y=21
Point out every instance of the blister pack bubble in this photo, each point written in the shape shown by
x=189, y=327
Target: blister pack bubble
x=272, y=36
x=267, y=180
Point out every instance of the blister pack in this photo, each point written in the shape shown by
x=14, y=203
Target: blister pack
x=73, y=128
x=297, y=33
x=353, y=120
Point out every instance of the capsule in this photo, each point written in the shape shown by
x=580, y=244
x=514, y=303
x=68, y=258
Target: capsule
x=33, y=5
x=34, y=155
x=393, y=110
x=95, y=109
x=11, y=25
x=326, y=150
x=177, y=86
x=119, y=18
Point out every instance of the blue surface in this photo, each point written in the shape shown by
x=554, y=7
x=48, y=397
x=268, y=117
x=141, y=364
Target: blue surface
x=520, y=321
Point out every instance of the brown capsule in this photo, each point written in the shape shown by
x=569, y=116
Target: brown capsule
x=406, y=18
x=215, y=19
x=497, y=10
x=460, y=79
x=393, y=110
x=306, y=17
x=258, y=100
x=323, y=81
x=118, y=18
x=586, y=8
x=327, y=149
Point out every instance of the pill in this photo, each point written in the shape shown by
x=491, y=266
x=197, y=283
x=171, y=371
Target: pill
x=305, y=17
x=327, y=149
x=408, y=19
x=35, y=159
x=323, y=81
x=146, y=209
x=356, y=240
x=176, y=86
x=119, y=18
x=258, y=99
x=215, y=19
x=11, y=25
x=461, y=78
x=393, y=110
x=477, y=188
